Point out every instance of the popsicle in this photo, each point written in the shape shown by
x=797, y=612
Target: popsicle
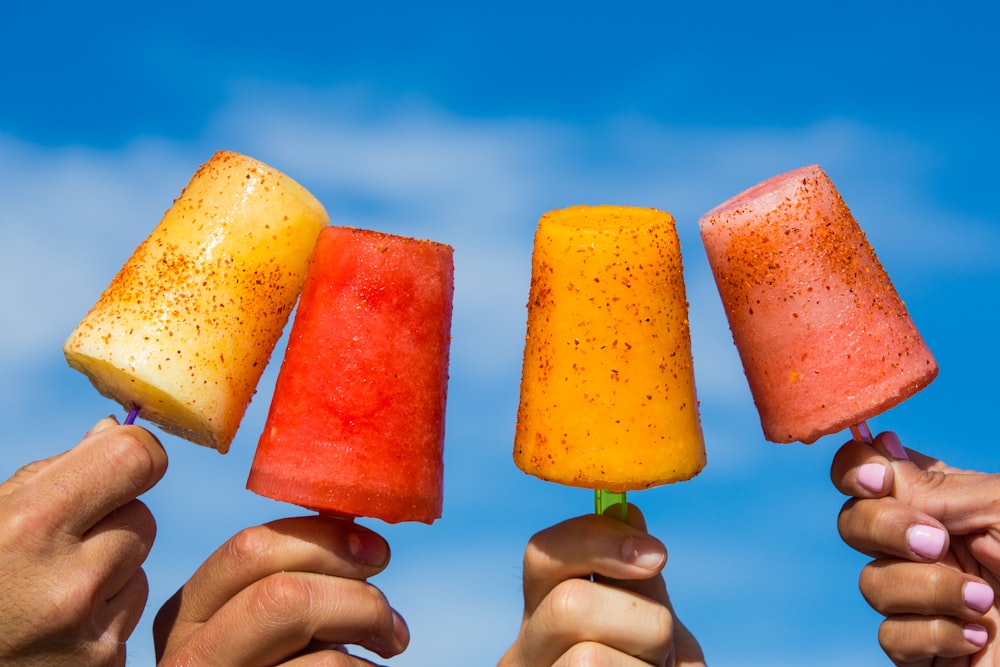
x=356, y=425
x=185, y=329
x=607, y=398
x=825, y=340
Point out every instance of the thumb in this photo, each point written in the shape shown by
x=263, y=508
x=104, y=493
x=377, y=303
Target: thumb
x=30, y=470
x=964, y=502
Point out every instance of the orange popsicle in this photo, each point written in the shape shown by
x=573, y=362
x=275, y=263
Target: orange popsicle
x=826, y=342
x=607, y=387
x=187, y=326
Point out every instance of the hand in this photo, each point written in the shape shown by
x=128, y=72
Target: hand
x=934, y=532
x=290, y=592
x=73, y=538
x=621, y=618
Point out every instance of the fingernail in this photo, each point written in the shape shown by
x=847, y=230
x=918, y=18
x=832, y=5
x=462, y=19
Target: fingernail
x=107, y=422
x=895, y=448
x=977, y=596
x=926, y=541
x=644, y=552
x=400, y=630
x=975, y=634
x=368, y=548
x=872, y=477
x=388, y=646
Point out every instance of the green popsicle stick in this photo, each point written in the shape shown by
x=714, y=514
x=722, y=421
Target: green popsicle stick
x=605, y=499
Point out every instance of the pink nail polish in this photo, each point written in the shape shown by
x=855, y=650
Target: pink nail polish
x=892, y=445
x=926, y=541
x=977, y=596
x=872, y=477
x=975, y=634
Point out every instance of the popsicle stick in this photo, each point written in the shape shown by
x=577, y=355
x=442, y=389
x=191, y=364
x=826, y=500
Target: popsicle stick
x=133, y=413
x=604, y=499
x=862, y=433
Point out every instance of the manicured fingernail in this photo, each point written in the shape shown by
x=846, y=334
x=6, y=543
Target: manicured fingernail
x=977, y=596
x=975, y=634
x=926, y=541
x=644, y=552
x=872, y=477
x=367, y=548
x=895, y=448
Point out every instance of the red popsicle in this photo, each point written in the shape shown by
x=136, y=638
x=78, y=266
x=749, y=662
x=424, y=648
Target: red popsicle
x=356, y=425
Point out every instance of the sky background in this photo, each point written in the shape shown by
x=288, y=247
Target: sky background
x=464, y=123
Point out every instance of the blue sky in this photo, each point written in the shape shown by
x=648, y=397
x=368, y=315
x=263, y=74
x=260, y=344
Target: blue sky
x=464, y=123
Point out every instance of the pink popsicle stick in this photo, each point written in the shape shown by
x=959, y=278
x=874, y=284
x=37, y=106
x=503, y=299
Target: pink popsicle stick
x=862, y=433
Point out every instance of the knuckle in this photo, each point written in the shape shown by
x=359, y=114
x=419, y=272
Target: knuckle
x=247, y=546
x=533, y=553
x=130, y=457
x=141, y=521
x=109, y=651
x=886, y=639
x=379, y=615
x=585, y=654
x=24, y=523
x=282, y=600
x=65, y=604
x=662, y=624
x=869, y=581
x=939, y=632
x=564, y=603
x=373, y=598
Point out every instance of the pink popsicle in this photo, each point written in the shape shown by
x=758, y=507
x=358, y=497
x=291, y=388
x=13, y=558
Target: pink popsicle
x=825, y=340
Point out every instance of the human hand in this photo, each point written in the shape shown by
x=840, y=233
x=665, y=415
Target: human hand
x=289, y=592
x=73, y=538
x=934, y=532
x=621, y=618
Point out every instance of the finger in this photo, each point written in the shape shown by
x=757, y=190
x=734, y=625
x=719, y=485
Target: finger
x=889, y=527
x=328, y=658
x=585, y=546
x=109, y=468
x=120, y=613
x=115, y=548
x=579, y=611
x=894, y=587
x=26, y=473
x=861, y=471
x=30, y=470
x=595, y=653
x=317, y=544
x=277, y=617
x=687, y=650
x=912, y=639
x=960, y=501
x=956, y=498
x=985, y=548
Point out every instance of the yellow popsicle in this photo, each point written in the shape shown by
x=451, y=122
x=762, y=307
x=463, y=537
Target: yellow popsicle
x=608, y=397
x=187, y=326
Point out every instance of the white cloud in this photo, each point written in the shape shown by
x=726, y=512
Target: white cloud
x=70, y=216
